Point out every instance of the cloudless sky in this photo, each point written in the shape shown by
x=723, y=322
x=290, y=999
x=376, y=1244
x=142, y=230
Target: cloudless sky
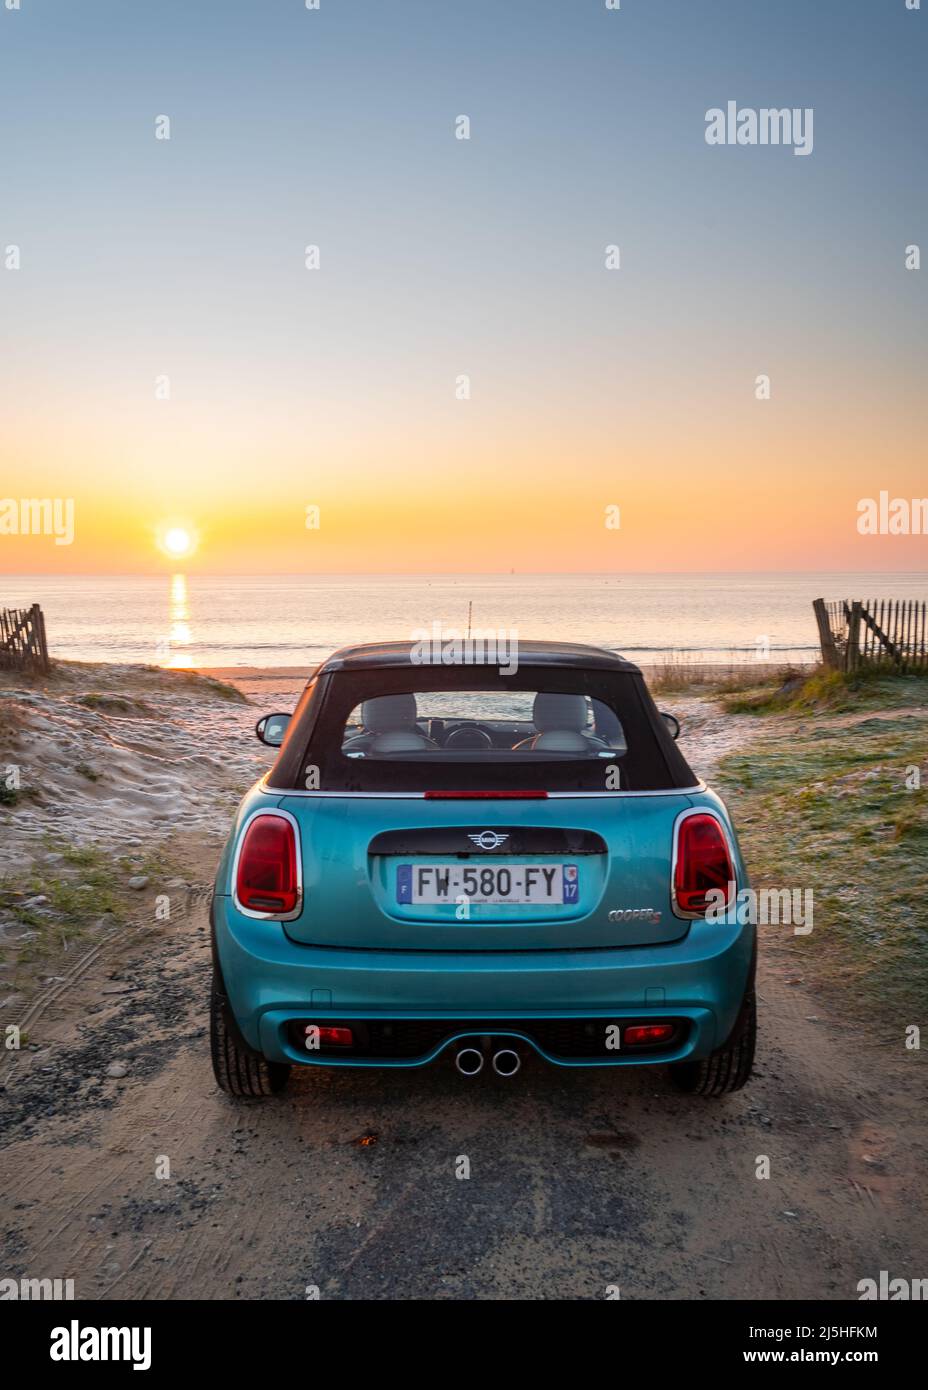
x=440, y=257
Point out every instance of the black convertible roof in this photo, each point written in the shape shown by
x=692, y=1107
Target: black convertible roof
x=315, y=735
x=570, y=654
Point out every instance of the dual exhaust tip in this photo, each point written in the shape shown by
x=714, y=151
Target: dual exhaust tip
x=505, y=1061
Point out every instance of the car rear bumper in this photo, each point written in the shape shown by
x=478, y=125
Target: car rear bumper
x=270, y=981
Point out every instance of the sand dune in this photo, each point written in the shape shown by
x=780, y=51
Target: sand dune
x=120, y=755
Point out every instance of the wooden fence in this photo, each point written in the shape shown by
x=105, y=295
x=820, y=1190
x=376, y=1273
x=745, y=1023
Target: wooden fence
x=875, y=632
x=22, y=639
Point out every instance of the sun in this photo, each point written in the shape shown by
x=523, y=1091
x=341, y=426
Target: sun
x=177, y=541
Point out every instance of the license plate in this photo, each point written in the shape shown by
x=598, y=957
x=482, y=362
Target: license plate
x=488, y=883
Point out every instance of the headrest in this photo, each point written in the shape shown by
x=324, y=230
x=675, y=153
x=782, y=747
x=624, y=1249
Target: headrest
x=395, y=741
x=559, y=712
x=386, y=712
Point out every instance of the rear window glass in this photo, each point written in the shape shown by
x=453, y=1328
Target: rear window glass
x=531, y=723
x=395, y=730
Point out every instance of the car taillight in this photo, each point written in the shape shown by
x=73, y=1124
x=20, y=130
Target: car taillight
x=703, y=863
x=267, y=879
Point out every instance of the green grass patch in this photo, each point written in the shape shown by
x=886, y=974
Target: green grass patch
x=207, y=685
x=82, y=856
x=839, y=804
x=109, y=704
x=832, y=691
x=72, y=904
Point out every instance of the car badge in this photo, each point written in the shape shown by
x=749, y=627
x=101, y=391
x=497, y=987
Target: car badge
x=488, y=839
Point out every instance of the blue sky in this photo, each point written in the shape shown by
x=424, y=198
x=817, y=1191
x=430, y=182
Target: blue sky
x=335, y=127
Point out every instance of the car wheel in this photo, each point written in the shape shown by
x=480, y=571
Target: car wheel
x=238, y=1070
x=727, y=1068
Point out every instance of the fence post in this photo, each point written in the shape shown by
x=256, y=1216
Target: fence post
x=825, y=637
x=852, y=656
x=39, y=618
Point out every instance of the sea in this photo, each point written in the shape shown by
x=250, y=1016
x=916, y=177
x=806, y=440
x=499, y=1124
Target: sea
x=197, y=620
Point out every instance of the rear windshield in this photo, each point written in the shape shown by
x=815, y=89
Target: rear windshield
x=534, y=723
x=412, y=729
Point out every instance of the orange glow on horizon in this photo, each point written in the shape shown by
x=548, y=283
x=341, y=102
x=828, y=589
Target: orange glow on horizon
x=485, y=496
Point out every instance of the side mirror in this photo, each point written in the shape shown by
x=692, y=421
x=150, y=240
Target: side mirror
x=272, y=728
x=672, y=722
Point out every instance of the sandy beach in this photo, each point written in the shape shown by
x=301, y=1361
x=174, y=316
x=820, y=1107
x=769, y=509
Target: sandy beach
x=262, y=683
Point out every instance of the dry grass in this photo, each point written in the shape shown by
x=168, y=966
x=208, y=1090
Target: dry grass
x=673, y=676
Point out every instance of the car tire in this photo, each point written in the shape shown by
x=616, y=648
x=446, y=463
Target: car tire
x=238, y=1070
x=727, y=1068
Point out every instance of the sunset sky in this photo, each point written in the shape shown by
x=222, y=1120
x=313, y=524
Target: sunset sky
x=335, y=388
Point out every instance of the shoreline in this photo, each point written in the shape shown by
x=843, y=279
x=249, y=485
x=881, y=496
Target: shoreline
x=258, y=680
x=287, y=683
x=280, y=686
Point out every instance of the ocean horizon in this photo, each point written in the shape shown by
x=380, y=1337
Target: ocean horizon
x=197, y=620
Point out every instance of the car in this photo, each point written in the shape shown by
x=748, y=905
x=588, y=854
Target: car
x=480, y=863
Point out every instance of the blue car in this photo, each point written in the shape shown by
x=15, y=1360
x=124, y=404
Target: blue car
x=485, y=863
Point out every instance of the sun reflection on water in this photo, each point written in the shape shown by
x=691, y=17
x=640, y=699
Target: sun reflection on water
x=178, y=624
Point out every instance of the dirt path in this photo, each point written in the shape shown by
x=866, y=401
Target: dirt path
x=348, y=1183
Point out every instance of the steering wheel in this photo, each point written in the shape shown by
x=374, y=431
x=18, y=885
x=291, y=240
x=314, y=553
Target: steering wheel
x=469, y=736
